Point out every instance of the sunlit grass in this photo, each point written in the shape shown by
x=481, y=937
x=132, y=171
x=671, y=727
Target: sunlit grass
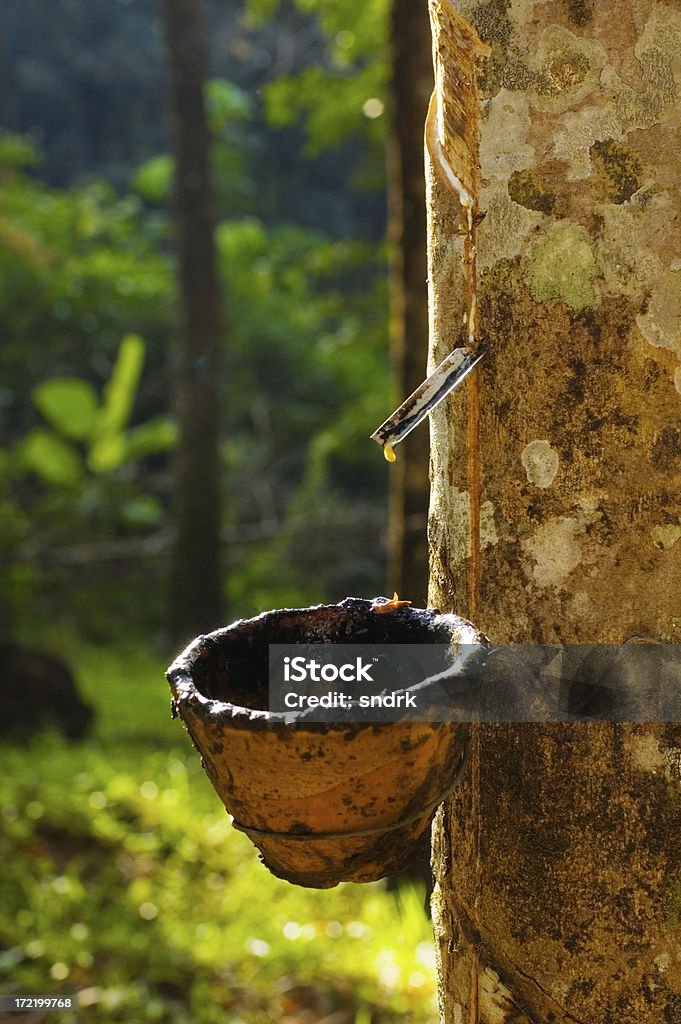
x=123, y=881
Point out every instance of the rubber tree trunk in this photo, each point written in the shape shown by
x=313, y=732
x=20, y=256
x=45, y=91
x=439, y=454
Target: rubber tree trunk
x=196, y=578
x=411, y=86
x=558, y=864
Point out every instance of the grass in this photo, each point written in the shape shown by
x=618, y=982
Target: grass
x=123, y=882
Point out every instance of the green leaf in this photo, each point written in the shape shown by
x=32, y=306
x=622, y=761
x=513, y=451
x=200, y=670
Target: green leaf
x=51, y=458
x=157, y=435
x=120, y=391
x=69, y=404
x=108, y=448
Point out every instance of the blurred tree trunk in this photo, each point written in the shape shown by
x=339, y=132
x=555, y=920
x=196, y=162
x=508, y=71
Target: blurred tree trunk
x=412, y=84
x=558, y=863
x=196, y=579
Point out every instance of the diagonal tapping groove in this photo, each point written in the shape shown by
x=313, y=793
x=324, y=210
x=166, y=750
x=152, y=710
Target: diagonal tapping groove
x=452, y=140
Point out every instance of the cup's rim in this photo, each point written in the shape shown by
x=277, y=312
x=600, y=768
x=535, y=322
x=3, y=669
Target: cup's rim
x=186, y=697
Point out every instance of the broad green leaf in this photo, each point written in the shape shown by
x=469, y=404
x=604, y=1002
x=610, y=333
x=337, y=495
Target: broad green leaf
x=51, y=457
x=157, y=435
x=69, y=404
x=119, y=393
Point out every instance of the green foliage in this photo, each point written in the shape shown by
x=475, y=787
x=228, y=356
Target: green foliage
x=69, y=405
x=307, y=382
x=16, y=152
x=51, y=458
x=347, y=96
x=108, y=443
x=332, y=107
x=156, y=435
x=123, y=882
x=142, y=512
x=153, y=179
x=230, y=113
x=226, y=104
x=78, y=270
x=89, y=466
x=305, y=368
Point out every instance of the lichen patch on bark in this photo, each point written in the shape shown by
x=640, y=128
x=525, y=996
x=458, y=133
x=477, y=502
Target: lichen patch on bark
x=540, y=462
x=488, y=526
x=504, y=147
x=666, y=536
x=567, y=69
x=555, y=550
x=660, y=324
x=645, y=751
x=506, y=228
x=629, y=265
x=563, y=266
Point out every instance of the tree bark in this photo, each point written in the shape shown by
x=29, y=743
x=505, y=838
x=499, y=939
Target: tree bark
x=196, y=578
x=411, y=86
x=558, y=863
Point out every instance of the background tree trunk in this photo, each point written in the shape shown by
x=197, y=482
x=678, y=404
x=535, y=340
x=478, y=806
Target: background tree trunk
x=196, y=578
x=411, y=86
x=558, y=863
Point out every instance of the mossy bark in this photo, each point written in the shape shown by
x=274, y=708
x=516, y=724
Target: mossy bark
x=559, y=862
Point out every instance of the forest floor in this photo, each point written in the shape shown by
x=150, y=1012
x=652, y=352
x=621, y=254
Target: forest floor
x=123, y=885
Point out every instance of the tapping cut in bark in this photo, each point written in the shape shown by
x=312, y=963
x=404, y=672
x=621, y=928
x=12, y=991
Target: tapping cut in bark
x=451, y=137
